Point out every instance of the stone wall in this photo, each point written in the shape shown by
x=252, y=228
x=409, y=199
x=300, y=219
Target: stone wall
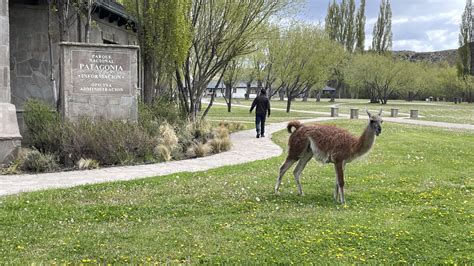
x=30, y=58
x=4, y=53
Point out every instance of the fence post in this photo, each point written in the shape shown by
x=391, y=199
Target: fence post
x=354, y=113
x=334, y=112
x=413, y=114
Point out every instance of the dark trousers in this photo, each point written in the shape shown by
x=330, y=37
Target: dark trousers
x=260, y=123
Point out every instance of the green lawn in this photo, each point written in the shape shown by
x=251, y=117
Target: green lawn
x=241, y=114
x=433, y=111
x=410, y=201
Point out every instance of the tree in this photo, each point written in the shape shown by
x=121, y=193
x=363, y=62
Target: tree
x=382, y=34
x=232, y=76
x=342, y=24
x=223, y=31
x=360, y=30
x=164, y=35
x=464, y=52
x=302, y=60
x=261, y=62
x=381, y=76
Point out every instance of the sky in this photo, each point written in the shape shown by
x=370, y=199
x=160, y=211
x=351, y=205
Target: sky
x=417, y=25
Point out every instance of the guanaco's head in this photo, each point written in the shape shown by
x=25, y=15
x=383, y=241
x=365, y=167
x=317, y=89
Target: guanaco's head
x=375, y=122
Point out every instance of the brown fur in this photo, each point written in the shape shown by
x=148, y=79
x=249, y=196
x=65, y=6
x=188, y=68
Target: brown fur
x=293, y=124
x=336, y=142
x=328, y=144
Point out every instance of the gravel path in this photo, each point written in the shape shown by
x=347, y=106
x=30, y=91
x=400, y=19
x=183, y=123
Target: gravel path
x=246, y=148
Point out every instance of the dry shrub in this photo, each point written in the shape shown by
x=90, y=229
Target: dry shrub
x=167, y=136
x=35, y=161
x=200, y=129
x=199, y=150
x=87, y=164
x=221, y=132
x=220, y=144
x=162, y=153
x=232, y=126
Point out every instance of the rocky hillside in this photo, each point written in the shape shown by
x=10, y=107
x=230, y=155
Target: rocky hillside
x=448, y=56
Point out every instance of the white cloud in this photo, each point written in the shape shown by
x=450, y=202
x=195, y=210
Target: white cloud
x=417, y=25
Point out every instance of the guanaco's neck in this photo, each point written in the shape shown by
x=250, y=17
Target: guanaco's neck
x=365, y=142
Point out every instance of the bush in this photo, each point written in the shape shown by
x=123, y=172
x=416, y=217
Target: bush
x=150, y=117
x=35, y=161
x=199, y=150
x=162, y=153
x=108, y=142
x=43, y=126
x=220, y=144
x=221, y=132
x=200, y=129
x=167, y=136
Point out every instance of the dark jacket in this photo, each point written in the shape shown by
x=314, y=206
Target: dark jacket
x=262, y=103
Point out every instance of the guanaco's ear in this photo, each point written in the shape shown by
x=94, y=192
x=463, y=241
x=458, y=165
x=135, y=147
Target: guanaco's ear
x=380, y=113
x=370, y=115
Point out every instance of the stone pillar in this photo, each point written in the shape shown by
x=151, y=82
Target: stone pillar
x=413, y=114
x=9, y=133
x=354, y=113
x=334, y=112
x=394, y=112
x=5, y=93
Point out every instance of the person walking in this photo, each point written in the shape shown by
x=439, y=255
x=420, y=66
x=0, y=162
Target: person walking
x=262, y=105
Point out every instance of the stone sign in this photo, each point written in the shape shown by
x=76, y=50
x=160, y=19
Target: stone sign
x=102, y=73
x=99, y=81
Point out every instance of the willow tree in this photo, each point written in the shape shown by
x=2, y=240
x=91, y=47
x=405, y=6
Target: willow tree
x=164, y=35
x=223, y=31
x=303, y=58
x=381, y=76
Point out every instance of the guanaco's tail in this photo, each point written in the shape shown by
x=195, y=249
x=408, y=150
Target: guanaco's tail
x=293, y=124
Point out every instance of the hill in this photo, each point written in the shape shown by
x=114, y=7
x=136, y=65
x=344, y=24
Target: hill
x=448, y=56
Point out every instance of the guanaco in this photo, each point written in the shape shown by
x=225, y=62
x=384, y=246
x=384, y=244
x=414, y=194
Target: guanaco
x=328, y=144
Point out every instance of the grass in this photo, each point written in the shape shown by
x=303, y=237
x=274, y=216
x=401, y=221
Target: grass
x=431, y=111
x=410, y=201
x=242, y=114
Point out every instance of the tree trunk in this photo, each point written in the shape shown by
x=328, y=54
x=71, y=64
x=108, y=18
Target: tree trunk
x=149, y=82
x=281, y=93
x=305, y=96
x=288, y=104
x=87, y=27
x=318, y=96
x=247, y=95
x=62, y=6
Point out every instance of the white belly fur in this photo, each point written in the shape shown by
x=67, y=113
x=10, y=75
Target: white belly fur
x=318, y=155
